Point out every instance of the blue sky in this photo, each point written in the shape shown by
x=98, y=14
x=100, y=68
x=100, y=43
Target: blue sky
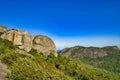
x=67, y=22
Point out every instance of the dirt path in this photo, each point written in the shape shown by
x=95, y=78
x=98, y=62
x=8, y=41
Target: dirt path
x=3, y=71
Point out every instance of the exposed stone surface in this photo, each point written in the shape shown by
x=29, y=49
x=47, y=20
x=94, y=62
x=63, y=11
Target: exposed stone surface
x=19, y=38
x=3, y=71
x=44, y=44
x=25, y=41
x=23, y=53
x=2, y=28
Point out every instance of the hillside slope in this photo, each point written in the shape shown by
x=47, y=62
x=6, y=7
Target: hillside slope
x=107, y=58
x=40, y=67
x=26, y=41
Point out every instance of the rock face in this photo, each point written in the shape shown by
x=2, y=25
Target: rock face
x=3, y=29
x=44, y=44
x=19, y=38
x=25, y=41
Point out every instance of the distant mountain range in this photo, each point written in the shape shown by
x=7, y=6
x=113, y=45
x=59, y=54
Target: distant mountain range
x=78, y=52
x=107, y=58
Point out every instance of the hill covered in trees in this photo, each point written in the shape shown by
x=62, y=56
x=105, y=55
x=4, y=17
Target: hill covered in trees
x=41, y=63
x=107, y=58
x=31, y=65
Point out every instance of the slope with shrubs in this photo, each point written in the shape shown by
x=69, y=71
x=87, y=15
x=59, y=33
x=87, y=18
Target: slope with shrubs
x=107, y=58
x=111, y=62
x=40, y=67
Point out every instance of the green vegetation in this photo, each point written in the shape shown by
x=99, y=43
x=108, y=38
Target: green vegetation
x=42, y=67
x=1, y=33
x=107, y=58
x=111, y=62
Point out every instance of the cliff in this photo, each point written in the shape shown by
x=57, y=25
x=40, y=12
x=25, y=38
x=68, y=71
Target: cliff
x=24, y=40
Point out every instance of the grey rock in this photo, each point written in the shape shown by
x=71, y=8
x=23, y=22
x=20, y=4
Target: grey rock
x=3, y=71
x=44, y=44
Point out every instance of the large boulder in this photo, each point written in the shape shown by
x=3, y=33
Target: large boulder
x=44, y=44
x=19, y=38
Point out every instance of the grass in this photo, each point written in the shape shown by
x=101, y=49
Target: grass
x=42, y=67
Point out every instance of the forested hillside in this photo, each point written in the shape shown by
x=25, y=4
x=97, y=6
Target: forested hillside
x=36, y=66
x=106, y=58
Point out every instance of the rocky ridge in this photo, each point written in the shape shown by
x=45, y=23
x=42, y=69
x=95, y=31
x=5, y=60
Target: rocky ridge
x=24, y=40
x=78, y=52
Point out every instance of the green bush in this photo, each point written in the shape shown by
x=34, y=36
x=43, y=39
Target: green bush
x=49, y=67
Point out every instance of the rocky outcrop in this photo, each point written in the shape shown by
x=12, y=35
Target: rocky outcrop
x=25, y=41
x=3, y=28
x=19, y=38
x=23, y=52
x=3, y=71
x=44, y=44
